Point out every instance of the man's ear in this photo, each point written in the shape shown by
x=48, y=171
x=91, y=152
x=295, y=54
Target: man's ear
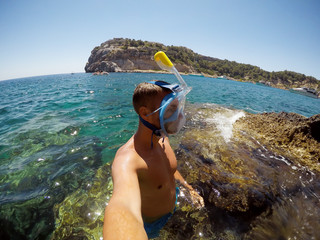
x=143, y=111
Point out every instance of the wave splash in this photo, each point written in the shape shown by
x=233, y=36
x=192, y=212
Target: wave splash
x=224, y=120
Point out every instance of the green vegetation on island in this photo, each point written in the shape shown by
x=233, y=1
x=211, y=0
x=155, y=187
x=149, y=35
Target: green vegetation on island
x=190, y=62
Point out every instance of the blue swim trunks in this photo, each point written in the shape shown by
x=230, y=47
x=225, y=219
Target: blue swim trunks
x=153, y=229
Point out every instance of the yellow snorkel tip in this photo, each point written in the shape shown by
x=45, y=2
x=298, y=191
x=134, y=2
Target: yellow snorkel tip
x=162, y=59
x=164, y=63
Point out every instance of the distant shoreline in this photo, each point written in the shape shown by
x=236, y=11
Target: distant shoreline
x=204, y=75
x=165, y=72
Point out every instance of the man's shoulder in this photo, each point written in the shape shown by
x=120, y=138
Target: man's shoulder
x=126, y=153
x=126, y=157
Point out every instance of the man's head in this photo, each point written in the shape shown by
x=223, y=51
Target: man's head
x=160, y=106
x=147, y=97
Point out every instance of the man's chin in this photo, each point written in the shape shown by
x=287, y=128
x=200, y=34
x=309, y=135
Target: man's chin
x=172, y=132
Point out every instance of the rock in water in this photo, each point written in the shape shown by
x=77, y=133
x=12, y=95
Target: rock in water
x=115, y=56
x=120, y=55
x=286, y=133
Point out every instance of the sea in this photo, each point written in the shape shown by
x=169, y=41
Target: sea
x=57, y=130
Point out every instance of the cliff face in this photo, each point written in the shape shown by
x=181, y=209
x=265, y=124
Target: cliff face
x=118, y=55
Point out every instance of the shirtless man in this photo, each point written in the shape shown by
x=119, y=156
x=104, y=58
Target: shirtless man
x=144, y=170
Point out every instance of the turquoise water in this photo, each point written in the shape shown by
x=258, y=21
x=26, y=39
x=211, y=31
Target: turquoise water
x=56, y=131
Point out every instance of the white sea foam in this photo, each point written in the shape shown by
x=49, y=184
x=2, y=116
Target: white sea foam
x=224, y=122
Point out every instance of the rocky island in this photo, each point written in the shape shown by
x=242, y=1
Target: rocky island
x=128, y=55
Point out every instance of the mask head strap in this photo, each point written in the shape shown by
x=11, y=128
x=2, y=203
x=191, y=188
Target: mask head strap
x=172, y=87
x=155, y=131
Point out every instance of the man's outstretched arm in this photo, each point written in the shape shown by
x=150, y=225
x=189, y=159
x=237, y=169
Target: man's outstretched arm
x=122, y=219
x=120, y=223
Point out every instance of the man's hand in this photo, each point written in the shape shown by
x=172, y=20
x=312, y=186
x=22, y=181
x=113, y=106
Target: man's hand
x=192, y=196
x=197, y=200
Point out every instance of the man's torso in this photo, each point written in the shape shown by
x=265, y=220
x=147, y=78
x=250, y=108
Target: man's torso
x=155, y=170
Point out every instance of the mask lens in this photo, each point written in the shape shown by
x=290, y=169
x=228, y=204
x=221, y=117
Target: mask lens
x=173, y=109
x=173, y=116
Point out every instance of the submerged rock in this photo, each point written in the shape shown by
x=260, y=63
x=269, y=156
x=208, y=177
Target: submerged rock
x=80, y=215
x=54, y=165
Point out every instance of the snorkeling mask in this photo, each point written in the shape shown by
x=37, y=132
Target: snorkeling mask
x=171, y=110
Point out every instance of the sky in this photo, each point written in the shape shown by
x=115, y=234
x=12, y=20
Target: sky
x=42, y=37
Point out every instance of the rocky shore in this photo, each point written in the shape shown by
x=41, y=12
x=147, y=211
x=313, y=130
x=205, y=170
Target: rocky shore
x=286, y=133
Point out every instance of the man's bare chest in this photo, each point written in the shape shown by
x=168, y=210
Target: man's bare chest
x=158, y=171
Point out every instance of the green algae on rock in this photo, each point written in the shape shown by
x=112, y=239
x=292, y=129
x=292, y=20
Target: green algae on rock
x=80, y=215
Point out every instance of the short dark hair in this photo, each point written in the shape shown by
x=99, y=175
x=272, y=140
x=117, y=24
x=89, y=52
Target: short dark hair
x=144, y=95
